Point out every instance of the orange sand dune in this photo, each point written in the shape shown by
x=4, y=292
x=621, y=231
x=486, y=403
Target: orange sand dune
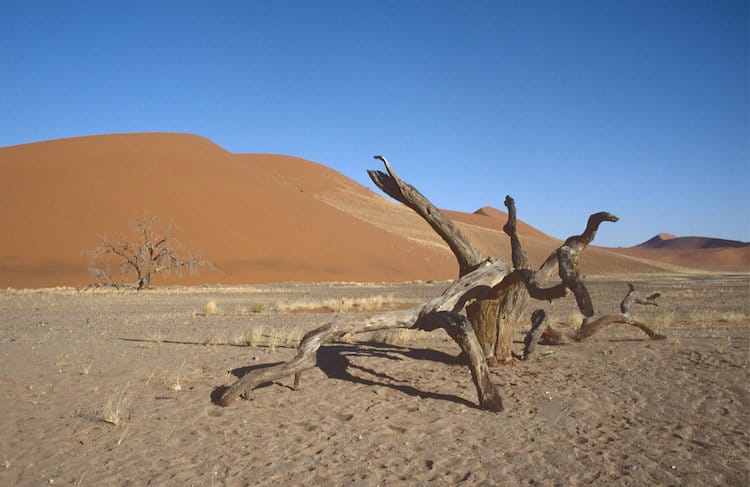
x=671, y=242
x=713, y=254
x=493, y=219
x=60, y=195
x=725, y=259
x=257, y=217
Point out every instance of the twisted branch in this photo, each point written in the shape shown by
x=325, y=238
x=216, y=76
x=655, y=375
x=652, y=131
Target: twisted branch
x=591, y=326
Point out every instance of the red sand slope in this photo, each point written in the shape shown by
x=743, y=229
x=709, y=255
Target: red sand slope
x=704, y=253
x=58, y=196
x=257, y=217
x=672, y=242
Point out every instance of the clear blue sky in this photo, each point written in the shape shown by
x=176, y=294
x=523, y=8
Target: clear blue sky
x=638, y=108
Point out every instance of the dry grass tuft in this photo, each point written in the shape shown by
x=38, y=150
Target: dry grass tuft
x=178, y=378
x=398, y=336
x=254, y=337
x=211, y=308
x=340, y=305
x=86, y=364
x=114, y=409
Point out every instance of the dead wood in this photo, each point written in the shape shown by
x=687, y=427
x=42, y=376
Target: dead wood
x=538, y=326
x=518, y=256
x=441, y=312
x=591, y=326
x=495, y=320
x=491, y=293
x=466, y=254
x=568, y=253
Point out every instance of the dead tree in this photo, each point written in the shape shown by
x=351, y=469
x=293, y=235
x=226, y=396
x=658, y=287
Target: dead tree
x=589, y=326
x=151, y=250
x=488, y=289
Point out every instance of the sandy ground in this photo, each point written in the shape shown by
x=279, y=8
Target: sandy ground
x=105, y=388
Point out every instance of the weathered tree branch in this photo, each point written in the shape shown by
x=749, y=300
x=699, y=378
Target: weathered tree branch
x=576, y=243
x=538, y=325
x=440, y=312
x=489, y=291
x=467, y=255
x=518, y=256
x=591, y=326
x=570, y=278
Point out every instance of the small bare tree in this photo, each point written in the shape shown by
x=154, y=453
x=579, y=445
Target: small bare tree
x=150, y=250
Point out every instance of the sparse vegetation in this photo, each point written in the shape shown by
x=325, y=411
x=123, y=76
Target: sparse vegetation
x=211, y=308
x=177, y=379
x=151, y=341
x=114, y=408
x=337, y=305
x=86, y=364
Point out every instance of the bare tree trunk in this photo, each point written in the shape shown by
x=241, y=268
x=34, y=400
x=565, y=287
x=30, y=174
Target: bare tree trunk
x=513, y=306
x=482, y=314
x=511, y=311
x=492, y=293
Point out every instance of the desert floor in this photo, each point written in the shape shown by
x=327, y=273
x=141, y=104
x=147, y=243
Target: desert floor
x=115, y=388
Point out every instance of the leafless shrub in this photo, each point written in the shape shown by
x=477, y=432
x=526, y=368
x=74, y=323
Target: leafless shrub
x=151, y=249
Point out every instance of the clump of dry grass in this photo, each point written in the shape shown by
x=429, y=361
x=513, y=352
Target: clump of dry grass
x=176, y=379
x=251, y=338
x=666, y=318
x=397, y=336
x=573, y=320
x=86, y=364
x=114, y=408
x=340, y=305
x=258, y=336
x=734, y=317
x=254, y=337
x=211, y=308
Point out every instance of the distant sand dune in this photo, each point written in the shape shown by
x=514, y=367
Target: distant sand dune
x=712, y=254
x=257, y=217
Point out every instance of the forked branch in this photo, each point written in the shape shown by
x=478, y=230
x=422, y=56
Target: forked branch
x=591, y=326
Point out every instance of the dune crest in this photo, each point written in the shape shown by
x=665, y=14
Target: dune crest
x=257, y=217
x=667, y=241
x=704, y=253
